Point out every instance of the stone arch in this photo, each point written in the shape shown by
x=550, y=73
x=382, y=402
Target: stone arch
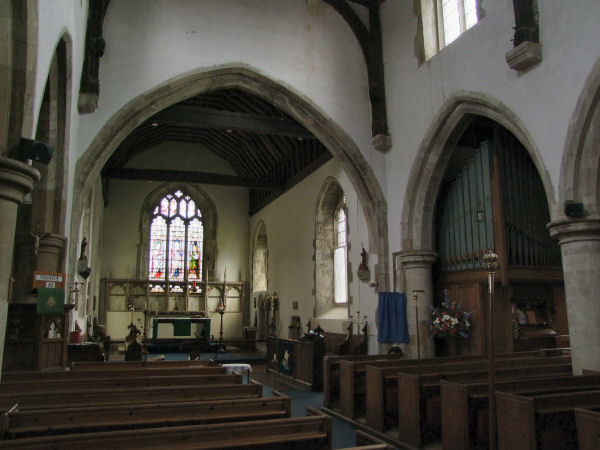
x=209, y=220
x=337, y=141
x=260, y=258
x=18, y=61
x=435, y=152
x=580, y=178
x=328, y=202
x=52, y=126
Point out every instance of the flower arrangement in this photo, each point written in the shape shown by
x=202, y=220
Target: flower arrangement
x=220, y=308
x=449, y=320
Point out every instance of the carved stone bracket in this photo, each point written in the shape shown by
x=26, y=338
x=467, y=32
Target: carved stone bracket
x=89, y=89
x=370, y=42
x=527, y=49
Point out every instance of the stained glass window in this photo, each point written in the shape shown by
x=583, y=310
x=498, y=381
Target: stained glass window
x=176, y=240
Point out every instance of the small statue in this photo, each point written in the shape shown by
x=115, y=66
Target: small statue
x=83, y=246
x=134, y=349
x=363, y=262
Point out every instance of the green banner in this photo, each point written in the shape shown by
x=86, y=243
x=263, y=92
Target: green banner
x=50, y=301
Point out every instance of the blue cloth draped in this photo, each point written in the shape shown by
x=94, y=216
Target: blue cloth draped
x=391, y=314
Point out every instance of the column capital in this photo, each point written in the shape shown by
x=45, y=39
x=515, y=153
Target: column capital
x=567, y=230
x=413, y=259
x=16, y=179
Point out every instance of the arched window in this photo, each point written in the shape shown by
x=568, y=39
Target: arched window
x=260, y=259
x=331, y=252
x=176, y=240
x=340, y=256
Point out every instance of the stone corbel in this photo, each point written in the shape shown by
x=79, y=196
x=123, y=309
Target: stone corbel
x=89, y=88
x=527, y=49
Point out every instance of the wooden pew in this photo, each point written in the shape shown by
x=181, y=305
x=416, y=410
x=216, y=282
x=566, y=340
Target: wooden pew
x=464, y=404
x=133, y=372
x=378, y=377
x=94, y=382
x=588, y=427
x=331, y=367
x=51, y=421
x=366, y=440
x=419, y=416
x=112, y=396
x=331, y=374
x=111, y=365
x=312, y=432
x=540, y=421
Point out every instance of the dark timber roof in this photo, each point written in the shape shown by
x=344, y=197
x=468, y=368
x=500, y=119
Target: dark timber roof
x=269, y=151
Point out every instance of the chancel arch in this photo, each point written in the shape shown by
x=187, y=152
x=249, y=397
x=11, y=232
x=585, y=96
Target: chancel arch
x=469, y=125
x=138, y=110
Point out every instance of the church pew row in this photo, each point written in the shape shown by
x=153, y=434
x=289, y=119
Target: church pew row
x=312, y=432
x=418, y=398
x=94, y=382
x=588, y=427
x=332, y=370
x=465, y=406
x=545, y=421
x=133, y=372
x=114, y=396
x=112, y=365
x=331, y=367
x=380, y=390
x=44, y=422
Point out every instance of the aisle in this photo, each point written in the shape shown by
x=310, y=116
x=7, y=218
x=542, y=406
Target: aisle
x=343, y=433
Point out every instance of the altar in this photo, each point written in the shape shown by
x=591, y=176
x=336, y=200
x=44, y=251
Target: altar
x=171, y=327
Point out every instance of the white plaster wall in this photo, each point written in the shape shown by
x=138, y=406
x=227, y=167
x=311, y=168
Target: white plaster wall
x=121, y=232
x=58, y=18
x=290, y=225
x=542, y=99
x=302, y=44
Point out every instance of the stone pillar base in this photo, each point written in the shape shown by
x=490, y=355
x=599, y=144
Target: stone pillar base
x=580, y=246
x=417, y=273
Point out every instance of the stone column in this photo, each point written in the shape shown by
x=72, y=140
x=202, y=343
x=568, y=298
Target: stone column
x=50, y=253
x=16, y=179
x=579, y=241
x=417, y=273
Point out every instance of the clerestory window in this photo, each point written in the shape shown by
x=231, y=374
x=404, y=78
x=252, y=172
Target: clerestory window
x=454, y=18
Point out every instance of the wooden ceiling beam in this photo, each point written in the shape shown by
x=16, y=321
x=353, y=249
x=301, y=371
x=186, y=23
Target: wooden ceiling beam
x=187, y=176
x=212, y=118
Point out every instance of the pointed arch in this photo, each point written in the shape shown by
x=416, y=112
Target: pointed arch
x=337, y=141
x=52, y=126
x=435, y=152
x=18, y=60
x=260, y=258
x=580, y=168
